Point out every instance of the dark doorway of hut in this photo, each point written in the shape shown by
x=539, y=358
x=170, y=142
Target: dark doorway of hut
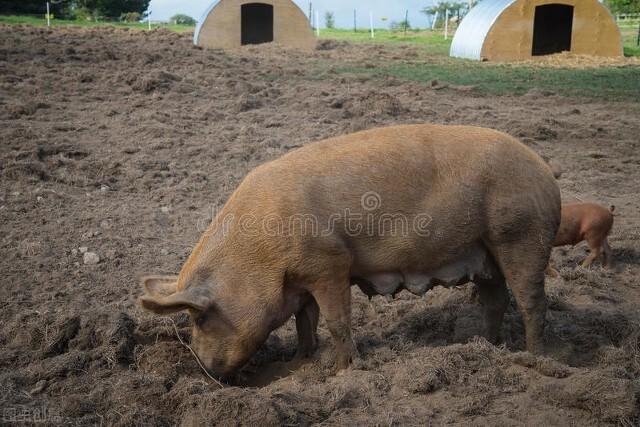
x=257, y=23
x=552, y=27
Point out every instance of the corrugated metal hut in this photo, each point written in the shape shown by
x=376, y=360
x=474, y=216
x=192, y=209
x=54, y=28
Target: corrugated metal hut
x=511, y=30
x=233, y=23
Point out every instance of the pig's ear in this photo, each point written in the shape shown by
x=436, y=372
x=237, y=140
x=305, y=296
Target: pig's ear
x=160, y=285
x=162, y=296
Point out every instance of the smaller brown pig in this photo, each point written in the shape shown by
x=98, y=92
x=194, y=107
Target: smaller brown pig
x=586, y=221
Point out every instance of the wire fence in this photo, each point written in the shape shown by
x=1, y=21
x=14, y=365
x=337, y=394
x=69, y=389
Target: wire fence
x=437, y=22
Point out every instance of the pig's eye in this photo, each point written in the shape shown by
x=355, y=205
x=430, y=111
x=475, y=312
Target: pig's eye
x=200, y=321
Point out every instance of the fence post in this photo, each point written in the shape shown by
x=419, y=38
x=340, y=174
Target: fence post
x=317, y=24
x=355, y=24
x=446, y=24
x=373, y=35
x=48, y=15
x=406, y=22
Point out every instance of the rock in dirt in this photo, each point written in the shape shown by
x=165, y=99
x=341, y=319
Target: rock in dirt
x=67, y=331
x=91, y=258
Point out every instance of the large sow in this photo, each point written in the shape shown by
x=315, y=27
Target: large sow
x=403, y=207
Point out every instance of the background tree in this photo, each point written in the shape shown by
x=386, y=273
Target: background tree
x=182, y=19
x=113, y=8
x=454, y=8
x=59, y=8
x=329, y=20
x=623, y=6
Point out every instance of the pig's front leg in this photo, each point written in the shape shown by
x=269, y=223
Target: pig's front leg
x=334, y=299
x=307, y=326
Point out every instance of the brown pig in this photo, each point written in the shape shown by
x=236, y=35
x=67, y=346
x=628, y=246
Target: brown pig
x=590, y=222
x=404, y=207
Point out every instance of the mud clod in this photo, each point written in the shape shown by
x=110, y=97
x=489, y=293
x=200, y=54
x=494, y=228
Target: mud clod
x=121, y=340
x=66, y=332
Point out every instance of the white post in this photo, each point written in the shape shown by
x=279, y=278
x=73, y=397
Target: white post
x=446, y=24
x=317, y=23
x=48, y=15
x=373, y=34
x=435, y=19
x=149, y=19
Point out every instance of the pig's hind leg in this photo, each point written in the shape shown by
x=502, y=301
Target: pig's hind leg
x=595, y=243
x=307, y=326
x=523, y=264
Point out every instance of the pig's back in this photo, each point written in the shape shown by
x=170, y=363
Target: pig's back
x=403, y=165
x=439, y=182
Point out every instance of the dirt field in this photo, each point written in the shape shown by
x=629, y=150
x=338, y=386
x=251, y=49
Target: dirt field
x=123, y=144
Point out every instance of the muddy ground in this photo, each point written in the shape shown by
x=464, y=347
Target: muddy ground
x=123, y=143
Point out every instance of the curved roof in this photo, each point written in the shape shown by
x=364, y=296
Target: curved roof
x=214, y=3
x=203, y=18
x=473, y=30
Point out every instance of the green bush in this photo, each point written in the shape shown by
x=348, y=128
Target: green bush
x=182, y=19
x=83, y=14
x=400, y=26
x=131, y=17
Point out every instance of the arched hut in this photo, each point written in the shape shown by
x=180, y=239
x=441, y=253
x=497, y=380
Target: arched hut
x=511, y=30
x=233, y=23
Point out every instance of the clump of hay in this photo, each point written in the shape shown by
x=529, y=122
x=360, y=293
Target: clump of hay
x=239, y=406
x=597, y=392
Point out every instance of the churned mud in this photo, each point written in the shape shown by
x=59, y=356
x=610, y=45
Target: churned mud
x=118, y=146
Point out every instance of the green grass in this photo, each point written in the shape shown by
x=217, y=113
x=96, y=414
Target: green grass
x=37, y=21
x=612, y=83
x=433, y=41
x=629, y=41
